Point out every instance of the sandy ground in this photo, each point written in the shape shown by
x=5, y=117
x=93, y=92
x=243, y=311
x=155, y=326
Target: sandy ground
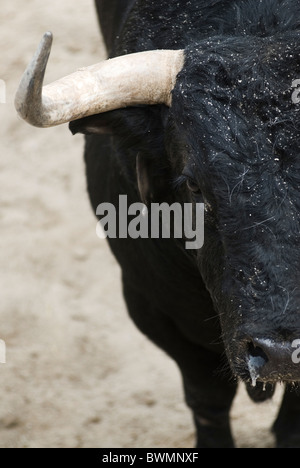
x=78, y=373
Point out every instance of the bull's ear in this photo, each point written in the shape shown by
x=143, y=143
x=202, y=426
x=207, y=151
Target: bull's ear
x=152, y=177
x=94, y=125
x=143, y=170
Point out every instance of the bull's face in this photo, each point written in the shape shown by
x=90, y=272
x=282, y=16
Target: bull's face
x=233, y=138
x=241, y=132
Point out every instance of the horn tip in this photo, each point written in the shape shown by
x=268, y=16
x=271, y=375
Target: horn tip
x=48, y=36
x=28, y=97
x=46, y=42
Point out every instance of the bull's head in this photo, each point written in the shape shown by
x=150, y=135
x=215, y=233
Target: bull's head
x=232, y=117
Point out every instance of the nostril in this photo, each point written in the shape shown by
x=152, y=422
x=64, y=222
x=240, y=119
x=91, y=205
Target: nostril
x=257, y=352
x=257, y=358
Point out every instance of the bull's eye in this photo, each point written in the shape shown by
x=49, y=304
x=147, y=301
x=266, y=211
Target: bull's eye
x=193, y=186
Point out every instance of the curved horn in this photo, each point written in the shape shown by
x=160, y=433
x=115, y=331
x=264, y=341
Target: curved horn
x=143, y=78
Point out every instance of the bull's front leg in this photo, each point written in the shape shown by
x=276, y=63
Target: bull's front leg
x=287, y=424
x=208, y=394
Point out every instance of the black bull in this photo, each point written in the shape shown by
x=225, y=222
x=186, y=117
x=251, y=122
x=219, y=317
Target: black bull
x=230, y=310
